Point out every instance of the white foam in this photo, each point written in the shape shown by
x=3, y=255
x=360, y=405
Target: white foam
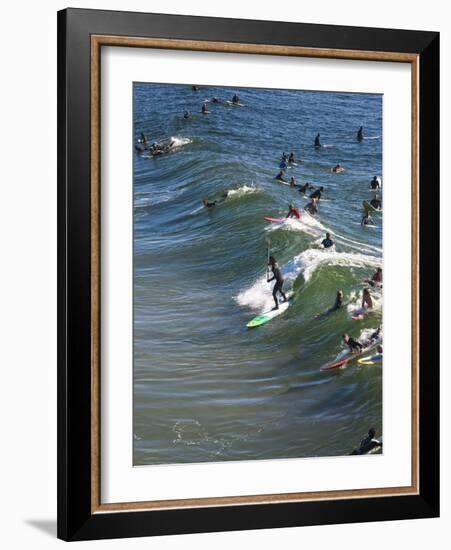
x=259, y=295
x=243, y=190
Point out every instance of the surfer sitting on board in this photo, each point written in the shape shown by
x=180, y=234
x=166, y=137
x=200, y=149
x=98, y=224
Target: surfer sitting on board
x=291, y=158
x=376, y=203
x=205, y=111
x=367, y=219
x=367, y=444
x=293, y=181
x=317, y=142
x=367, y=301
x=317, y=194
x=327, y=242
x=354, y=345
x=277, y=276
x=338, y=168
x=235, y=99
x=375, y=183
x=280, y=177
x=142, y=138
x=305, y=188
x=187, y=114
x=283, y=164
x=376, y=279
x=312, y=207
x=293, y=212
x=215, y=100
x=360, y=134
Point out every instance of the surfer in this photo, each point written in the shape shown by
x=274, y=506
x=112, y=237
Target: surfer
x=187, y=114
x=367, y=219
x=215, y=100
x=312, y=207
x=280, y=177
x=293, y=212
x=305, y=188
x=337, y=305
x=207, y=203
x=353, y=344
x=291, y=158
x=195, y=88
x=360, y=134
x=142, y=138
x=367, y=301
x=368, y=443
x=376, y=203
x=235, y=99
x=327, y=242
x=317, y=142
x=277, y=276
x=283, y=164
x=293, y=181
x=338, y=168
x=376, y=279
x=317, y=194
x=205, y=111
x=375, y=183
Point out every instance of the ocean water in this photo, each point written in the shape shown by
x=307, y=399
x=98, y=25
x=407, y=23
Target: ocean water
x=206, y=388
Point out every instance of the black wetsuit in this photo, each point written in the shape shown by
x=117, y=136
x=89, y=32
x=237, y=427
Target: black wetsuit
x=354, y=345
x=304, y=188
x=317, y=141
x=277, y=276
x=367, y=444
x=316, y=194
x=375, y=183
x=360, y=134
x=376, y=203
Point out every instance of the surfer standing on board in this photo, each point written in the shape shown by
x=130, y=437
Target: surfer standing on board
x=277, y=276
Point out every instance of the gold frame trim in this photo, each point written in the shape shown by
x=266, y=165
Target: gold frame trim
x=97, y=41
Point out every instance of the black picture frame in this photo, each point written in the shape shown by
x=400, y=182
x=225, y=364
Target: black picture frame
x=75, y=518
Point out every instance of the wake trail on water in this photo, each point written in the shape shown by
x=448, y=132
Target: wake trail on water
x=259, y=295
x=311, y=226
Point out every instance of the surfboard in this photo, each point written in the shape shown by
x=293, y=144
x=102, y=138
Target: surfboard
x=371, y=359
x=274, y=220
x=343, y=360
x=234, y=104
x=370, y=208
x=267, y=316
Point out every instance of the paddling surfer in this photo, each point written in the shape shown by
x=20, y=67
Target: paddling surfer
x=277, y=276
x=338, y=168
x=305, y=188
x=367, y=220
x=376, y=203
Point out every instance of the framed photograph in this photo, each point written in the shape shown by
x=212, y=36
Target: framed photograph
x=248, y=274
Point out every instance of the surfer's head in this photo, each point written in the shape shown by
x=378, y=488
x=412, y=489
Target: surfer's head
x=380, y=349
x=271, y=260
x=345, y=337
x=371, y=432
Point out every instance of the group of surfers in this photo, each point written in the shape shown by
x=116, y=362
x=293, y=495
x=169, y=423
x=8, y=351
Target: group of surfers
x=204, y=109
